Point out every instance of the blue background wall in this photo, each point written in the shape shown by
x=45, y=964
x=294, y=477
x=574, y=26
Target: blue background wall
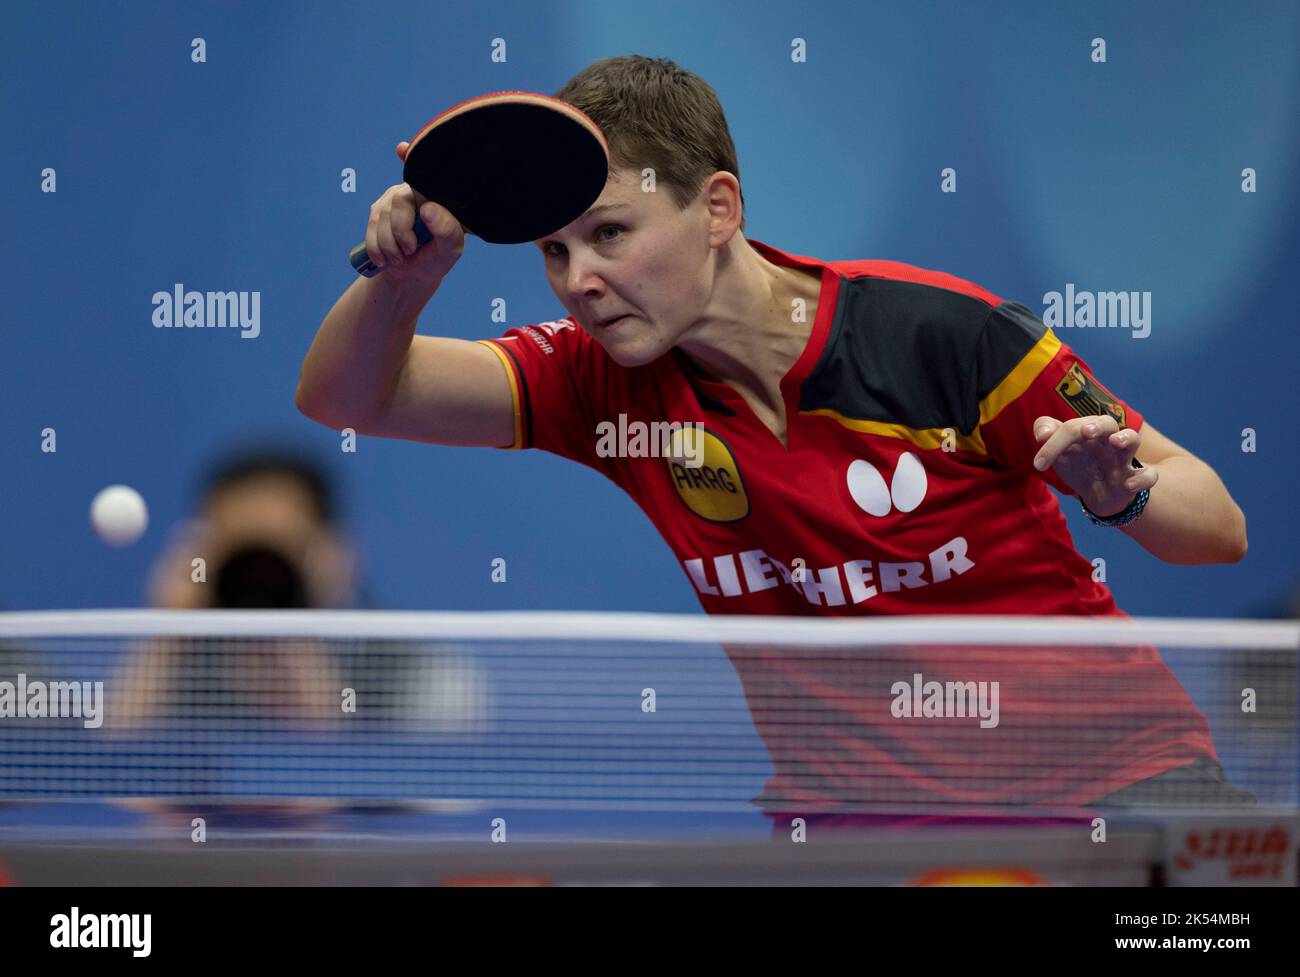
x=226, y=175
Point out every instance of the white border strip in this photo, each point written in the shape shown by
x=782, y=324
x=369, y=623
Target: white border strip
x=672, y=628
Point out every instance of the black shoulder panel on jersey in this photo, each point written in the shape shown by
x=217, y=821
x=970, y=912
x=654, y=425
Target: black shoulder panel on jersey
x=1012, y=331
x=904, y=353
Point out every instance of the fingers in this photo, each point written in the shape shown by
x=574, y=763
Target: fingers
x=391, y=241
x=388, y=232
x=448, y=235
x=389, y=249
x=1143, y=478
x=1055, y=437
x=1097, y=428
x=373, y=250
x=1115, y=453
x=402, y=225
x=1043, y=427
x=1072, y=436
x=1094, y=457
x=403, y=148
x=1127, y=442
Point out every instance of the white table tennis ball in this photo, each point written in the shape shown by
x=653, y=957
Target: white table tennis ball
x=119, y=515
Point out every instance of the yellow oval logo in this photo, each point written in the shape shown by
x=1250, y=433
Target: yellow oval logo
x=706, y=476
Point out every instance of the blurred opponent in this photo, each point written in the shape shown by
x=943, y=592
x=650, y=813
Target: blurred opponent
x=267, y=537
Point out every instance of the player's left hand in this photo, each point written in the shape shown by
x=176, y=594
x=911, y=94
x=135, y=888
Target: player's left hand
x=1094, y=457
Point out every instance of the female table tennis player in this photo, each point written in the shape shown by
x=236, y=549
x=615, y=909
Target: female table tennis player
x=878, y=440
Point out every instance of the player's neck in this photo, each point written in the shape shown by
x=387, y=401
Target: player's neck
x=750, y=336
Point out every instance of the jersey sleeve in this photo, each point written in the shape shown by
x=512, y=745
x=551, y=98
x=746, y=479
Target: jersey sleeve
x=1023, y=372
x=558, y=377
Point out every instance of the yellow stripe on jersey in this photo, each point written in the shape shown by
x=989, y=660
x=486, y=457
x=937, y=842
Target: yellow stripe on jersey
x=1013, y=385
x=515, y=399
x=1021, y=378
x=926, y=438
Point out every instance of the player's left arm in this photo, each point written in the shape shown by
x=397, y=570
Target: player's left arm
x=1189, y=518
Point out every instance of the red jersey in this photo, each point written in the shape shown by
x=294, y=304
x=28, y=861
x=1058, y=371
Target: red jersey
x=905, y=486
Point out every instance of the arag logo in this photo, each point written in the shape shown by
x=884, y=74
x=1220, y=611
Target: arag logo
x=713, y=490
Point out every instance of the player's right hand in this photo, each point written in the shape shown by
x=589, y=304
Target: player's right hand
x=391, y=242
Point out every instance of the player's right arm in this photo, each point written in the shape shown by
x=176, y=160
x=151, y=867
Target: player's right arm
x=367, y=369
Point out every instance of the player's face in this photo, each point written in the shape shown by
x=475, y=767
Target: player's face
x=638, y=257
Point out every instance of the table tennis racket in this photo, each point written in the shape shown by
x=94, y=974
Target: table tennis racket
x=510, y=166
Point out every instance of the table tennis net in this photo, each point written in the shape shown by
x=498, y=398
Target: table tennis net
x=648, y=711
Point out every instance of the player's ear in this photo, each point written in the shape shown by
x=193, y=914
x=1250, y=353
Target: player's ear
x=721, y=194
